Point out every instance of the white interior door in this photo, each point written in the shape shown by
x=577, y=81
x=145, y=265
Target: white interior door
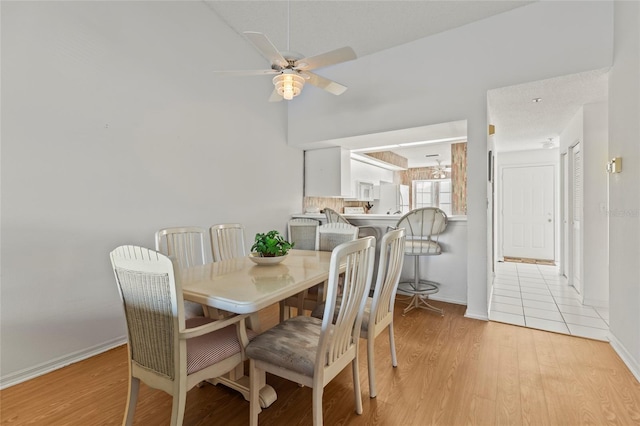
x=575, y=277
x=528, y=212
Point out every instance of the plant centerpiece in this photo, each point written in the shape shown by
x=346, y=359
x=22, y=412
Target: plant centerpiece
x=271, y=244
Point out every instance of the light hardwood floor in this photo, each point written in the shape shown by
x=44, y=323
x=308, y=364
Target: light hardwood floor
x=451, y=371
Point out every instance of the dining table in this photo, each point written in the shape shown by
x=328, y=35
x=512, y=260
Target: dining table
x=240, y=286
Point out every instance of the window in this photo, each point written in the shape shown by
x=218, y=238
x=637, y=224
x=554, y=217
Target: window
x=432, y=193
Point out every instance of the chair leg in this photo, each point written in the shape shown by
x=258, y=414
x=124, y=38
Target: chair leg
x=371, y=367
x=392, y=344
x=317, y=392
x=132, y=398
x=179, y=403
x=356, y=385
x=254, y=392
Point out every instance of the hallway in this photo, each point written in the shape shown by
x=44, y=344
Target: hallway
x=536, y=296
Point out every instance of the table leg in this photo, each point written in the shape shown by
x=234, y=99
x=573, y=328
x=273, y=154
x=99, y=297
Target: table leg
x=238, y=381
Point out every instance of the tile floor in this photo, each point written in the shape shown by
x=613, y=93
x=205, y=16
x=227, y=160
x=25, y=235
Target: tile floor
x=536, y=296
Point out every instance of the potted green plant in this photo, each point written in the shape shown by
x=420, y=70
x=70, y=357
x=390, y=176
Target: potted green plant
x=271, y=244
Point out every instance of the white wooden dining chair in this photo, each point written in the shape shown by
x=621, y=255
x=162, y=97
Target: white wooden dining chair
x=378, y=310
x=227, y=241
x=186, y=245
x=310, y=351
x=328, y=236
x=167, y=351
x=302, y=233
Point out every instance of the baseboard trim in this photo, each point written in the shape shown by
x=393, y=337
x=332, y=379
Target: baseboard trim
x=631, y=363
x=55, y=364
x=437, y=298
x=598, y=303
x=476, y=315
x=447, y=300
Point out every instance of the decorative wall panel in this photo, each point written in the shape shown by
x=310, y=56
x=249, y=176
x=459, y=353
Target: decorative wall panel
x=459, y=178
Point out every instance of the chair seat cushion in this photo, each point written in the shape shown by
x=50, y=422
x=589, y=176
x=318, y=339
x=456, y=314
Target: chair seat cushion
x=211, y=348
x=419, y=247
x=292, y=345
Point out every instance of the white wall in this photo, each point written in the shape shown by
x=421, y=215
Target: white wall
x=624, y=191
x=113, y=126
x=445, y=78
x=596, y=221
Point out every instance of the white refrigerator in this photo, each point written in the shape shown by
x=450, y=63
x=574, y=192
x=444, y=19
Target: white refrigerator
x=393, y=199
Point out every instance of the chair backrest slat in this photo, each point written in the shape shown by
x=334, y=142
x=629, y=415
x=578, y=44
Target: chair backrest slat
x=227, y=241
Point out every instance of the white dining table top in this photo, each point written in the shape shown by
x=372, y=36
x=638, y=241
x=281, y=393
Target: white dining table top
x=241, y=286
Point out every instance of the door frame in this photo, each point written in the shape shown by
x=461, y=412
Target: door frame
x=570, y=216
x=564, y=215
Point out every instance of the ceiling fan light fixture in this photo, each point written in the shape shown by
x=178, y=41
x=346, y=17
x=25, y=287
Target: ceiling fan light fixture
x=288, y=84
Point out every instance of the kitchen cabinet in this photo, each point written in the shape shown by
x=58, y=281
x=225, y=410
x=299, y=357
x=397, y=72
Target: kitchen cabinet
x=327, y=172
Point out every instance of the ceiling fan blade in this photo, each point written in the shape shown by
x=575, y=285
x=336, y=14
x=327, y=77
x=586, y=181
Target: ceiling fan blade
x=275, y=97
x=266, y=48
x=248, y=72
x=324, y=83
x=325, y=59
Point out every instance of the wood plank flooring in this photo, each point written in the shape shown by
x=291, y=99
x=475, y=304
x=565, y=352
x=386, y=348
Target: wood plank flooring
x=451, y=371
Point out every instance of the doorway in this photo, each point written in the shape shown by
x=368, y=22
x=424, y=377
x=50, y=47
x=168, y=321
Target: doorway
x=528, y=194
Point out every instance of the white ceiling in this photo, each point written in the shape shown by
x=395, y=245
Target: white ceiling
x=367, y=26
x=371, y=26
x=522, y=124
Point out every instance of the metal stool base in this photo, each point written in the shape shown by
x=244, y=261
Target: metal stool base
x=420, y=295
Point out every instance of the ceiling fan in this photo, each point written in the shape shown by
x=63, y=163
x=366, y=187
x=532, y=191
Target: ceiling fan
x=440, y=171
x=292, y=70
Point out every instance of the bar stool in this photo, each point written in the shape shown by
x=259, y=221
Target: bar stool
x=423, y=227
